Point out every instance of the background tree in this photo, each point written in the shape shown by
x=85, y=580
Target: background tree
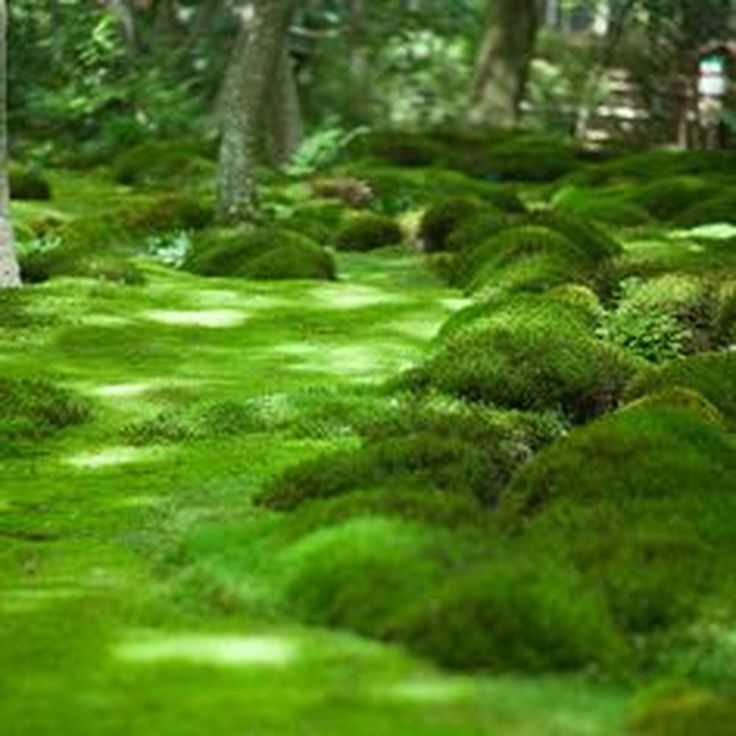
x=502, y=67
x=9, y=273
x=257, y=56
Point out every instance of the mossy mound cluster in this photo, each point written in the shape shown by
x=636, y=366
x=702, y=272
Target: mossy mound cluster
x=34, y=408
x=446, y=446
x=531, y=353
x=261, y=253
x=368, y=232
x=648, y=489
x=27, y=183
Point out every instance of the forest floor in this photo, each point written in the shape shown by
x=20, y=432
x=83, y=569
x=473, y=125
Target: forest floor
x=111, y=618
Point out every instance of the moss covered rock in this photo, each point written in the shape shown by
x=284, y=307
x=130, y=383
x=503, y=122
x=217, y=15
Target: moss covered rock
x=165, y=162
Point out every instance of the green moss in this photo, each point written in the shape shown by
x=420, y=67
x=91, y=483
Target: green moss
x=442, y=444
x=95, y=247
x=663, y=317
x=679, y=397
x=531, y=353
x=477, y=229
x=406, y=149
x=667, y=198
x=34, y=408
x=333, y=575
x=515, y=613
x=529, y=257
x=713, y=375
x=317, y=219
x=681, y=710
x=718, y=209
x=527, y=158
x=368, y=232
x=168, y=162
x=27, y=183
x=168, y=212
x=442, y=218
x=263, y=253
x=596, y=242
x=608, y=209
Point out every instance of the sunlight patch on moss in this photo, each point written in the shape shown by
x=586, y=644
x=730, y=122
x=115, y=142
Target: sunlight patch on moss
x=429, y=691
x=112, y=456
x=215, y=318
x=714, y=231
x=122, y=390
x=356, y=297
x=224, y=651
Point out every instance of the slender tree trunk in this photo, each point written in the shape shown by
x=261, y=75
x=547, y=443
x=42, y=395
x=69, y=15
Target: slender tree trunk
x=502, y=67
x=9, y=272
x=253, y=70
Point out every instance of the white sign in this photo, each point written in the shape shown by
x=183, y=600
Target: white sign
x=712, y=80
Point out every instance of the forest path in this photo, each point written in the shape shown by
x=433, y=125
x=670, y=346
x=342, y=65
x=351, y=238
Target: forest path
x=97, y=637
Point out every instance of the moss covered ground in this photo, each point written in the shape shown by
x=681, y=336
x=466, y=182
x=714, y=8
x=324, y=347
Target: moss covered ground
x=113, y=615
x=269, y=506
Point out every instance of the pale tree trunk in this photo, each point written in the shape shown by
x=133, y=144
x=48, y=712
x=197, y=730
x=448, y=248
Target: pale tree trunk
x=502, y=67
x=253, y=70
x=9, y=271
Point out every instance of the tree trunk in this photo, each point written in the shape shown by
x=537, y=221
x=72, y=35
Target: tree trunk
x=502, y=67
x=9, y=272
x=285, y=129
x=253, y=70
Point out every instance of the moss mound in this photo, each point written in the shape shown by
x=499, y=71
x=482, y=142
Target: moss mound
x=527, y=158
x=529, y=257
x=156, y=163
x=665, y=316
x=514, y=613
x=477, y=229
x=167, y=213
x=95, y=247
x=368, y=232
x=642, y=501
x=445, y=445
x=717, y=209
x=530, y=353
x=667, y=198
x=442, y=218
x=682, y=710
x=263, y=253
x=357, y=575
x=27, y=183
x=712, y=375
x=34, y=408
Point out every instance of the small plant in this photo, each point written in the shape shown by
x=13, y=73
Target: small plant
x=171, y=249
x=322, y=149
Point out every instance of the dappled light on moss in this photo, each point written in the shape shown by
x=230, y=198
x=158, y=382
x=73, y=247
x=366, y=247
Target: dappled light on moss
x=208, y=650
x=214, y=318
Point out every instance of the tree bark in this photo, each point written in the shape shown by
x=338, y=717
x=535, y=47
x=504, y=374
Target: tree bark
x=254, y=67
x=285, y=129
x=9, y=271
x=502, y=67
